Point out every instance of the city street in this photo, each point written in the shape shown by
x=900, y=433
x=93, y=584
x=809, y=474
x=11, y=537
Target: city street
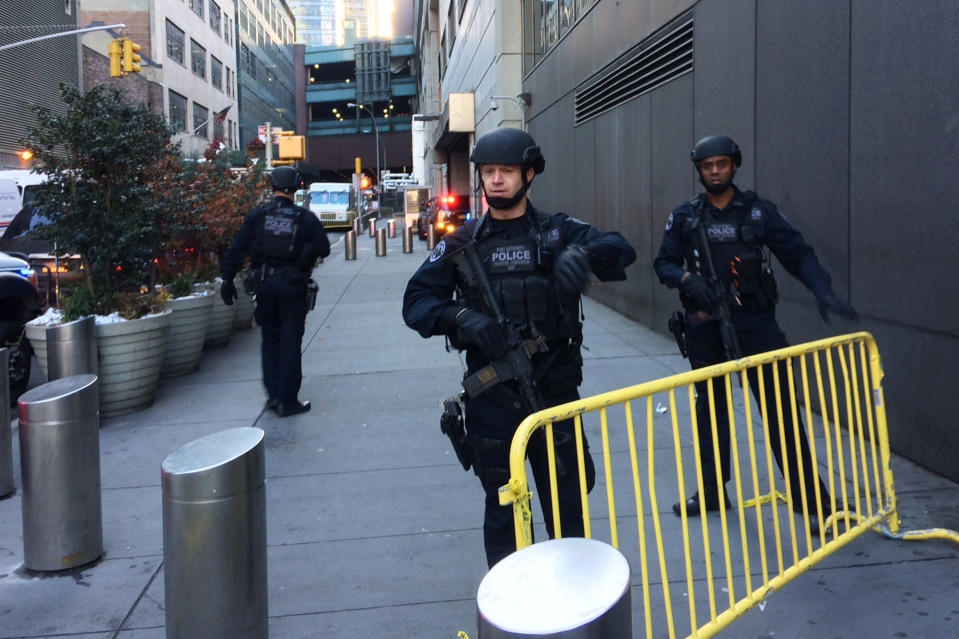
x=373, y=528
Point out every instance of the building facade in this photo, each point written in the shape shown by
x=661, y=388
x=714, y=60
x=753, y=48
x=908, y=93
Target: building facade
x=188, y=66
x=316, y=21
x=30, y=74
x=377, y=74
x=265, y=36
x=846, y=114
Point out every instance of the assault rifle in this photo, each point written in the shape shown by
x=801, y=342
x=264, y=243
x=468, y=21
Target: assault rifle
x=517, y=365
x=727, y=330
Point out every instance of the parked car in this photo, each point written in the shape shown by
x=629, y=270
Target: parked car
x=445, y=213
x=56, y=273
x=18, y=305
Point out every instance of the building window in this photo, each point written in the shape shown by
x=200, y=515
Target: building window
x=227, y=30
x=197, y=59
x=259, y=5
x=174, y=42
x=229, y=82
x=229, y=133
x=177, y=111
x=215, y=17
x=201, y=117
x=216, y=73
x=197, y=6
x=217, y=129
x=462, y=9
x=244, y=24
x=451, y=25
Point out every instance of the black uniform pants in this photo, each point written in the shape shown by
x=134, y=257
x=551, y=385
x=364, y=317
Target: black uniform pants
x=490, y=426
x=281, y=314
x=758, y=333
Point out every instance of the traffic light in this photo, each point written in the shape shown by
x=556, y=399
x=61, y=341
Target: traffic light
x=364, y=182
x=131, y=56
x=116, y=53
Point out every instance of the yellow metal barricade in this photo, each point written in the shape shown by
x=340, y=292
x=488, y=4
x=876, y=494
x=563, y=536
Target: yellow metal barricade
x=764, y=539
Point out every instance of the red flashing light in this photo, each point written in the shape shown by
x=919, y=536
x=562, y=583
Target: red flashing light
x=450, y=199
x=118, y=268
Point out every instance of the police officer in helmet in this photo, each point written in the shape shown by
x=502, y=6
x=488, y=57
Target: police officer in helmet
x=741, y=229
x=537, y=264
x=283, y=242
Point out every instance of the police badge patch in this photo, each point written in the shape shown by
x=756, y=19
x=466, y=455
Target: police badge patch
x=756, y=214
x=553, y=235
x=669, y=222
x=439, y=251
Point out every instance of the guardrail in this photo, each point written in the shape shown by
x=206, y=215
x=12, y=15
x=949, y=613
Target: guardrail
x=763, y=540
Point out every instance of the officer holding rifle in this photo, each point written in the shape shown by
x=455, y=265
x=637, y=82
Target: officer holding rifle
x=716, y=252
x=506, y=289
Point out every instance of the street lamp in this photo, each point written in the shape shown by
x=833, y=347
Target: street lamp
x=376, y=132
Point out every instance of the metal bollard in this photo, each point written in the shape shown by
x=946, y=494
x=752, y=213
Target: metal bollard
x=350, y=245
x=60, y=469
x=380, y=242
x=6, y=435
x=571, y=588
x=72, y=348
x=431, y=238
x=372, y=227
x=214, y=537
x=408, y=239
x=391, y=226
x=357, y=226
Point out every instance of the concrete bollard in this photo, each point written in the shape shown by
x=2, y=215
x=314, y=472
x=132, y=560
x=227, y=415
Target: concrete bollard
x=349, y=243
x=72, y=348
x=408, y=239
x=372, y=227
x=214, y=537
x=431, y=238
x=391, y=227
x=6, y=434
x=60, y=469
x=569, y=588
x=381, y=242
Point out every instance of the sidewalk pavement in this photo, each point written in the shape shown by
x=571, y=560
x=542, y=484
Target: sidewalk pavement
x=373, y=528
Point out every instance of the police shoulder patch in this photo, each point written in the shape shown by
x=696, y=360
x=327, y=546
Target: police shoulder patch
x=669, y=222
x=439, y=251
x=553, y=235
x=756, y=214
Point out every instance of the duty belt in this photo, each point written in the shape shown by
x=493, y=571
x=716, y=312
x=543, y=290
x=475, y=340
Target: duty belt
x=287, y=270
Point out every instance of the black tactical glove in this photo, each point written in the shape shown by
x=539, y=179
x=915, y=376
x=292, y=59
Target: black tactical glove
x=572, y=270
x=827, y=301
x=228, y=291
x=482, y=331
x=700, y=291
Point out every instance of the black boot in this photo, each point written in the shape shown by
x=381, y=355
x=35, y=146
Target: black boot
x=696, y=507
x=297, y=407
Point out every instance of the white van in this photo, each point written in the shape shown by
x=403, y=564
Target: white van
x=14, y=184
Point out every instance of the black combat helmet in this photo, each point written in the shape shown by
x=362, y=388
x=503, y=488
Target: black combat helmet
x=716, y=145
x=508, y=146
x=285, y=179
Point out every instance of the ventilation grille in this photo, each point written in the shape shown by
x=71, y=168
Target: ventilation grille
x=652, y=65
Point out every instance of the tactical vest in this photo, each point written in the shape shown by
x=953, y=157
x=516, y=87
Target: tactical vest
x=520, y=273
x=277, y=234
x=736, y=243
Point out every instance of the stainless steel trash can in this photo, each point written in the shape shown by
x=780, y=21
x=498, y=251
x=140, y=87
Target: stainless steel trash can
x=6, y=435
x=72, y=348
x=60, y=471
x=214, y=537
x=563, y=589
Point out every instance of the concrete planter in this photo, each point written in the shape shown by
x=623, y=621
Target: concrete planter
x=130, y=355
x=188, y=329
x=221, y=321
x=245, y=307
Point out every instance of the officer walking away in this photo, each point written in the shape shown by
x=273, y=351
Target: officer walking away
x=506, y=287
x=716, y=252
x=283, y=242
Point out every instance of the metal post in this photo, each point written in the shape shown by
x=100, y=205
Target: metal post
x=6, y=435
x=381, y=243
x=571, y=588
x=372, y=227
x=60, y=468
x=391, y=228
x=350, y=245
x=431, y=238
x=408, y=239
x=72, y=348
x=214, y=537
x=357, y=226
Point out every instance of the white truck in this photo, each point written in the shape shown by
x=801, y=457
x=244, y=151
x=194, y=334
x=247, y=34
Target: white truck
x=330, y=202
